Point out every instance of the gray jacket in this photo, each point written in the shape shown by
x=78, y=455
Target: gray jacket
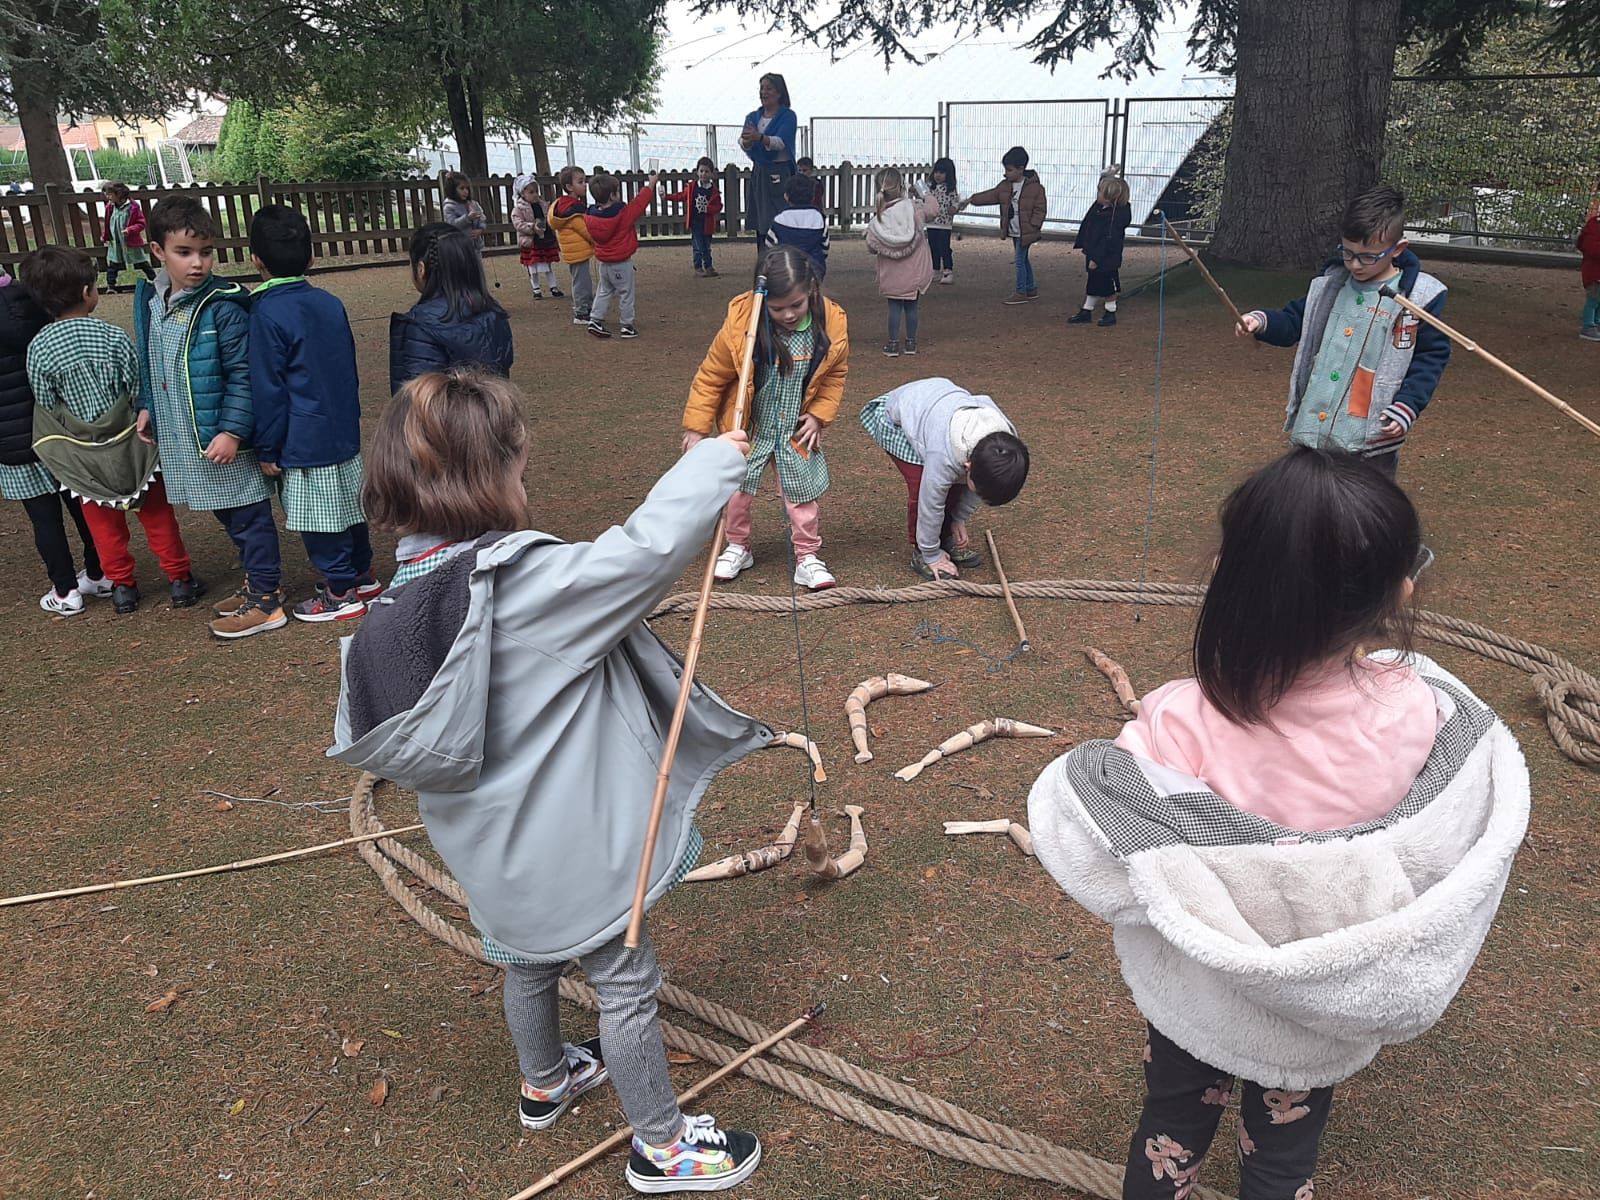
x=533, y=747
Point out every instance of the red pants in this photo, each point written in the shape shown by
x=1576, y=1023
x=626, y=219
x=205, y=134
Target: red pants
x=110, y=529
x=912, y=472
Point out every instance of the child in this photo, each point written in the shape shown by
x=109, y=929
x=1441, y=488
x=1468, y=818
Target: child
x=577, y=247
x=1022, y=203
x=895, y=237
x=702, y=205
x=535, y=238
x=801, y=358
x=462, y=211
x=193, y=338
x=1101, y=235
x=307, y=402
x=23, y=479
x=457, y=321
x=494, y=679
x=953, y=449
x=804, y=166
x=123, y=234
x=940, y=228
x=85, y=374
x=1589, y=248
x=612, y=225
x=1300, y=850
x=800, y=225
x=1365, y=368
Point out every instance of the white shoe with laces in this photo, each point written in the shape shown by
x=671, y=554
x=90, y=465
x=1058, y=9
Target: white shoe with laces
x=812, y=574
x=69, y=605
x=731, y=561
x=98, y=588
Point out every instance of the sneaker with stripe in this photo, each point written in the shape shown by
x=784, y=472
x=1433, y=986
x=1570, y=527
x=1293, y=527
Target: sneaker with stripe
x=586, y=1070
x=703, y=1159
x=328, y=605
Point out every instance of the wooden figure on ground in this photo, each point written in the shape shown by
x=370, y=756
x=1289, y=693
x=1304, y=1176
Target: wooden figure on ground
x=864, y=693
x=971, y=736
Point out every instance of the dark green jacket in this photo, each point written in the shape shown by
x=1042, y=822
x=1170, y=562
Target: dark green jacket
x=217, y=354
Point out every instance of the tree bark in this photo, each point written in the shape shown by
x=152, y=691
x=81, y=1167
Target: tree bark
x=37, y=98
x=533, y=118
x=466, y=123
x=1311, y=99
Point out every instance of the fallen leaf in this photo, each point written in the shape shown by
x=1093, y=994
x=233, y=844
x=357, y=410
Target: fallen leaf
x=236, y=1107
x=679, y=1059
x=164, y=1003
x=379, y=1092
x=983, y=793
x=930, y=872
x=782, y=1137
x=152, y=970
x=437, y=1094
x=803, y=898
x=877, y=730
x=392, y=1033
x=351, y=1047
x=222, y=806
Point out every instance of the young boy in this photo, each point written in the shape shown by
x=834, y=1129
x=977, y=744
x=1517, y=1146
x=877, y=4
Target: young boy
x=612, y=225
x=1022, y=203
x=702, y=205
x=801, y=224
x=953, y=449
x=84, y=374
x=307, y=403
x=805, y=167
x=193, y=337
x=1365, y=368
x=577, y=247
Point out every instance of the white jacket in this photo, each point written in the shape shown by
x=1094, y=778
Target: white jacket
x=1285, y=957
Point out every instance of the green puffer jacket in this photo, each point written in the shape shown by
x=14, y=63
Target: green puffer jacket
x=217, y=357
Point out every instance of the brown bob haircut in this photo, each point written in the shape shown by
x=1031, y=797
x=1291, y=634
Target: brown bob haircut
x=447, y=457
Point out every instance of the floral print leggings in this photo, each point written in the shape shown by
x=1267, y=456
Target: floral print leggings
x=1278, y=1130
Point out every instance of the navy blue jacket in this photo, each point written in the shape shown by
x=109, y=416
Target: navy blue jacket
x=424, y=340
x=21, y=319
x=303, y=377
x=1101, y=235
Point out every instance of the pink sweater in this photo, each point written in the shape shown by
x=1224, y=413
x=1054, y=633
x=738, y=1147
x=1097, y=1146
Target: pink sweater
x=1344, y=747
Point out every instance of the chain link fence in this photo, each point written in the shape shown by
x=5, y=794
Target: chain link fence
x=1068, y=142
x=873, y=140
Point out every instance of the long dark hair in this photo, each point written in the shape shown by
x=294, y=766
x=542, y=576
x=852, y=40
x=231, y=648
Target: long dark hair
x=1316, y=548
x=787, y=268
x=949, y=168
x=777, y=82
x=452, y=269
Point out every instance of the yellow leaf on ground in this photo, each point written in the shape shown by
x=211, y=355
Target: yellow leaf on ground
x=164, y=1003
x=236, y=1107
x=392, y=1033
x=679, y=1059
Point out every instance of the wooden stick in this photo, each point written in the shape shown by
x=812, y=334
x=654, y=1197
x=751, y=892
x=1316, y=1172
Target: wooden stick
x=1005, y=589
x=691, y=658
x=1118, y=678
x=1211, y=280
x=241, y=865
x=1468, y=344
x=693, y=1093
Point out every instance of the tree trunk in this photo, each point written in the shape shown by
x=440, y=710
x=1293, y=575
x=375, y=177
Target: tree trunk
x=37, y=96
x=1311, y=98
x=466, y=123
x=533, y=119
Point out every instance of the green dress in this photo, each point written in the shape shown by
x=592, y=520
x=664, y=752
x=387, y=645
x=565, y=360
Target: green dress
x=118, y=252
x=779, y=398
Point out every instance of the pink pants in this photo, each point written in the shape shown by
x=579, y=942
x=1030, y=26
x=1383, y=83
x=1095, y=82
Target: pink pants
x=802, y=522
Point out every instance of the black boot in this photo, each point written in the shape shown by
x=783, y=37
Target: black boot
x=1082, y=317
x=1109, y=319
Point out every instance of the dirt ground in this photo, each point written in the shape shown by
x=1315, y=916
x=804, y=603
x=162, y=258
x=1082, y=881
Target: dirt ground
x=956, y=964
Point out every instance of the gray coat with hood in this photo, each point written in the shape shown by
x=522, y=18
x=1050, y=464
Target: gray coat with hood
x=518, y=692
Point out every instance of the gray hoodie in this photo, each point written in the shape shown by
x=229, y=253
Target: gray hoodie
x=533, y=747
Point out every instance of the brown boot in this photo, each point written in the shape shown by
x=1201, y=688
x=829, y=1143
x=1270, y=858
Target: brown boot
x=261, y=612
x=229, y=605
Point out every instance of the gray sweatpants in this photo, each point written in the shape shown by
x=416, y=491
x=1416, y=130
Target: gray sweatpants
x=630, y=1039
x=582, y=288
x=615, y=278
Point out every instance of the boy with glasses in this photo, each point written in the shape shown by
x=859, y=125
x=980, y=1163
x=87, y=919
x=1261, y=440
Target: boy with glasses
x=1365, y=367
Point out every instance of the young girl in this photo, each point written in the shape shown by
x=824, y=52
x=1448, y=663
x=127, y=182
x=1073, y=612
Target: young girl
x=1300, y=850
x=462, y=211
x=894, y=235
x=510, y=681
x=1100, y=237
x=456, y=321
x=802, y=353
x=123, y=234
x=943, y=190
x=540, y=249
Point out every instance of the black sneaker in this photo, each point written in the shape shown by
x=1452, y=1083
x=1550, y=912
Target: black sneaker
x=628, y=331
x=599, y=329
x=703, y=1159
x=587, y=1071
x=125, y=598
x=1109, y=319
x=186, y=592
x=580, y=318
x=556, y=292
x=1082, y=317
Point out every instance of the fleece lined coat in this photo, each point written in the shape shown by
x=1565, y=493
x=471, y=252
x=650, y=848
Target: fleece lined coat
x=895, y=237
x=1031, y=206
x=567, y=218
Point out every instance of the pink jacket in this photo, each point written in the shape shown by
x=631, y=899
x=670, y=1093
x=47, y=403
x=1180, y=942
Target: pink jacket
x=906, y=275
x=134, y=232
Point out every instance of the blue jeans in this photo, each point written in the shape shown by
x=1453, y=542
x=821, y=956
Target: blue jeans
x=255, y=535
x=342, y=559
x=908, y=310
x=1591, y=306
x=702, y=248
x=1024, y=267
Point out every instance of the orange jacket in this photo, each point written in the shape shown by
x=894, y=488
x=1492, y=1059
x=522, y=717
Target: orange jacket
x=710, y=407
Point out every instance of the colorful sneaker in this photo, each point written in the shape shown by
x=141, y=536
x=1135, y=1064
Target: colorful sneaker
x=187, y=592
x=704, y=1159
x=586, y=1070
x=98, y=588
x=891, y=349
x=330, y=606
x=69, y=605
x=368, y=588
x=733, y=559
x=812, y=574
x=964, y=557
x=234, y=601
x=260, y=613
x=1109, y=319
x=598, y=328
x=628, y=331
x=1082, y=317
x=125, y=598
x=920, y=567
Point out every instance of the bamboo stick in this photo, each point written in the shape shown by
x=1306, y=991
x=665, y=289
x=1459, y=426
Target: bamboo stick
x=241, y=865
x=688, y=1096
x=1211, y=280
x=1005, y=589
x=691, y=658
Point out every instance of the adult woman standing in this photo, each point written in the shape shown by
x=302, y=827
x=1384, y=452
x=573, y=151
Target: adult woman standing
x=768, y=138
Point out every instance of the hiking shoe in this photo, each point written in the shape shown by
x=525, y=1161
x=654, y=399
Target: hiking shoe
x=260, y=613
x=963, y=557
x=1590, y=333
x=329, y=605
x=368, y=588
x=812, y=574
x=733, y=559
x=125, y=598
x=98, y=588
x=920, y=567
x=911, y=345
x=628, y=331
x=1082, y=317
x=891, y=349
x=69, y=605
x=1109, y=319
x=599, y=329
x=185, y=592
x=586, y=1070
x=1017, y=298
x=703, y=1159
x=234, y=601
x=556, y=292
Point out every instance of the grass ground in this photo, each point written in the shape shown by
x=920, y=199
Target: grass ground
x=120, y=731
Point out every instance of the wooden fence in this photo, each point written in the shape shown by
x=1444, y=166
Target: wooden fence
x=372, y=221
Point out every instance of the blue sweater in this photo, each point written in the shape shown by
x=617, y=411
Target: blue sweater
x=217, y=357
x=783, y=127
x=303, y=377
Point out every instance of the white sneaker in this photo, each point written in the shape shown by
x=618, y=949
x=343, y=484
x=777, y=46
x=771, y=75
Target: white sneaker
x=947, y=277
x=812, y=574
x=93, y=587
x=733, y=560
x=69, y=605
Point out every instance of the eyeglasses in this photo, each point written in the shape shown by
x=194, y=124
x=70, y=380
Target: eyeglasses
x=1364, y=257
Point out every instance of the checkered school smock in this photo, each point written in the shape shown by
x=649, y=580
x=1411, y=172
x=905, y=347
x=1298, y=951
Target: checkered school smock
x=190, y=479
x=84, y=363
x=25, y=481
x=778, y=402
x=323, y=499
x=890, y=437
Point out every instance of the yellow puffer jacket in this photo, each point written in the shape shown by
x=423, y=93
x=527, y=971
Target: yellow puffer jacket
x=572, y=230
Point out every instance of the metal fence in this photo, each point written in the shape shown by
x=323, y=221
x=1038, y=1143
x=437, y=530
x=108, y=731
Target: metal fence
x=1068, y=144
x=1156, y=139
x=877, y=140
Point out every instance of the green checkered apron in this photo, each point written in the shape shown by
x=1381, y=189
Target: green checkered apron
x=26, y=481
x=323, y=499
x=890, y=437
x=778, y=403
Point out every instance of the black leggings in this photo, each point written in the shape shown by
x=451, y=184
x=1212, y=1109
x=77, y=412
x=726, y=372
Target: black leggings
x=112, y=271
x=939, y=247
x=50, y=537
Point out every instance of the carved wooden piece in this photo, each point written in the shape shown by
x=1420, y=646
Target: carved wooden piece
x=752, y=861
x=971, y=736
x=1017, y=833
x=1120, y=683
x=799, y=741
x=864, y=693
x=815, y=846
